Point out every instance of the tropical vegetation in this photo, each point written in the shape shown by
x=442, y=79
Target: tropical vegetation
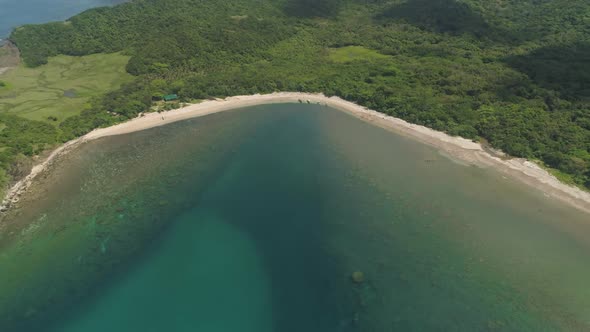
x=514, y=74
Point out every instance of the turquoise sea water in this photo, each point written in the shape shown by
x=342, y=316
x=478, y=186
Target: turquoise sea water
x=254, y=220
x=16, y=13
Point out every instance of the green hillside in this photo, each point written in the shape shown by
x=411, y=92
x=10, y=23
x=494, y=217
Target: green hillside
x=35, y=101
x=514, y=73
x=63, y=87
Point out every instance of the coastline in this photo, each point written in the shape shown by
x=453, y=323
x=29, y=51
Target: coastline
x=527, y=172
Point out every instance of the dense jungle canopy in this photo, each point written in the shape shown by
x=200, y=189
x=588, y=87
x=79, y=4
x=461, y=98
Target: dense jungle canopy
x=514, y=73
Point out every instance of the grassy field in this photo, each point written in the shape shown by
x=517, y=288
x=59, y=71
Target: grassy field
x=62, y=87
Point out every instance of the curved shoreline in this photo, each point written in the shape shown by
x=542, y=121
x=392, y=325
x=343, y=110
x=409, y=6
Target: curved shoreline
x=457, y=147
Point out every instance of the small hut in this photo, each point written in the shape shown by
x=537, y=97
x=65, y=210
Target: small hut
x=170, y=97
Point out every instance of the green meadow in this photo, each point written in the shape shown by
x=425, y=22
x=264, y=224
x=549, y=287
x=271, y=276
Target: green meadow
x=61, y=88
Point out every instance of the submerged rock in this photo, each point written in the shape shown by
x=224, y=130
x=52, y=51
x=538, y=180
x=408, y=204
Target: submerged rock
x=358, y=277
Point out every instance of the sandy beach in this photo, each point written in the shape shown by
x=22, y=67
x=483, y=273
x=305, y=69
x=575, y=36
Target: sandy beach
x=457, y=148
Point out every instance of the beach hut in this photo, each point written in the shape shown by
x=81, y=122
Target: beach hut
x=170, y=97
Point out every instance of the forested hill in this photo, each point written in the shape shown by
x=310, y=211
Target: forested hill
x=513, y=72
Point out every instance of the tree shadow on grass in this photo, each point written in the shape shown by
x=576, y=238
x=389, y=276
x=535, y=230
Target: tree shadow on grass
x=564, y=69
x=312, y=8
x=443, y=16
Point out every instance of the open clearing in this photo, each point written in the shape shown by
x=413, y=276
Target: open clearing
x=62, y=87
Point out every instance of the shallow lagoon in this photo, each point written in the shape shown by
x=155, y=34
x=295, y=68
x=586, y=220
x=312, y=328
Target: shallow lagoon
x=254, y=220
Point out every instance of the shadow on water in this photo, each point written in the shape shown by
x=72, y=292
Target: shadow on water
x=276, y=199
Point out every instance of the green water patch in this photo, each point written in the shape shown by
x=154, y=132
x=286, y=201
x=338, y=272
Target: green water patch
x=257, y=220
x=225, y=286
